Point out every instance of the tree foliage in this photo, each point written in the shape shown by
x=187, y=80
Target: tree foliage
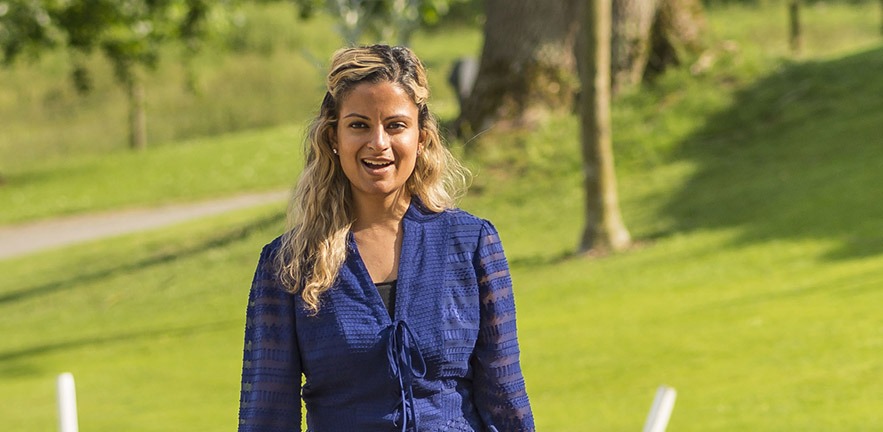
x=391, y=21
x=130, y=33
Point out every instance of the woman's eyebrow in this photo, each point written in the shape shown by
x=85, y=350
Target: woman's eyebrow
x=361, y=116
x=387, y=118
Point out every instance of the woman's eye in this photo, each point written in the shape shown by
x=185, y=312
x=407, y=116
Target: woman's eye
x=396, y=125
x=357, y=125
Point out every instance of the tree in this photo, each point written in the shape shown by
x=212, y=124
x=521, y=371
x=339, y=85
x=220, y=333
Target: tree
x=130, y=33
x=795, y=34
x=630, y=40
x=651, y=35
x=604, y=230
x=391, y=21
x=528, y=61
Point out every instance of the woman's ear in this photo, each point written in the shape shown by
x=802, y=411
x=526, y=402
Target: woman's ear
x=421, y=141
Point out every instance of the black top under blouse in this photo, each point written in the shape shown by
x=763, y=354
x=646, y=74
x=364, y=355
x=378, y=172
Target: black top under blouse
x=387, y=292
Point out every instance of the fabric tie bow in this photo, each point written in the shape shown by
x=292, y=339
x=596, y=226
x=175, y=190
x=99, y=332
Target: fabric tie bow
x=405, y=364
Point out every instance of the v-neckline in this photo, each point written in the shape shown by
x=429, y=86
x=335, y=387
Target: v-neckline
x=405, y=253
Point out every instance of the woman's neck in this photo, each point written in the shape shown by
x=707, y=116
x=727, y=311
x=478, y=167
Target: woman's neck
x=374, y=213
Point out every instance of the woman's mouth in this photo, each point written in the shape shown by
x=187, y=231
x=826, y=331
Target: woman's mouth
x=376, y=164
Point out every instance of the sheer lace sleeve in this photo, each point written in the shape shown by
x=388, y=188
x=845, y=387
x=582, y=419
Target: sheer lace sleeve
x=271, y=371
x=499, y=391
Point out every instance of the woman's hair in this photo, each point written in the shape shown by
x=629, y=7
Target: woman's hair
x=320, y=213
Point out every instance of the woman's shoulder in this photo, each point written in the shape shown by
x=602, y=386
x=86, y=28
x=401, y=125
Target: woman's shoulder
x=275, y=244
x=466, y=226
x=271, y=250
x=460, y=217
x=453, y=216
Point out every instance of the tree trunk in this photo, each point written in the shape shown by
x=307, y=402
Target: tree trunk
x=795, y=35
x=527, y=65
x=651, y=35
x=676, y=35
x=528, y=61
x=605, y=230
x=631, y=40
x=137, y=113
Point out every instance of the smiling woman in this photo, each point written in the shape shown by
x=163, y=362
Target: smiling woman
x=377, y=142
x=394, y=306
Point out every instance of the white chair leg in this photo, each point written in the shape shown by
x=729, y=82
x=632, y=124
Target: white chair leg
x=67, y=404
x=660, y=412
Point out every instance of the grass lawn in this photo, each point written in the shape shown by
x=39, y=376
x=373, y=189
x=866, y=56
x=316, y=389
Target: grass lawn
x=754, y=290
x=200, y=168
x=152, y=343
x=770, y=335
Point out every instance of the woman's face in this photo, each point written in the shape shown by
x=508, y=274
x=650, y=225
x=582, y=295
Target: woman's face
x=377, y=139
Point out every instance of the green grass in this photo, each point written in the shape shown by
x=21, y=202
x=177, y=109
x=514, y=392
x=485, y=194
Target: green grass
x=147, y=338
x=752, y=188
x=195, y=169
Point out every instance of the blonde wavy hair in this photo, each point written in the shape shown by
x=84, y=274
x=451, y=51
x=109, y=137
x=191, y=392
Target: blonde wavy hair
x=320, y=213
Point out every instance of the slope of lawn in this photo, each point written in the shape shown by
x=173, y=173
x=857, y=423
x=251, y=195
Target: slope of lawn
x=754, y=288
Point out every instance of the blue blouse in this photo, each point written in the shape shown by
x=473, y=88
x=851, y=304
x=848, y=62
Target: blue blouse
x=448, y=360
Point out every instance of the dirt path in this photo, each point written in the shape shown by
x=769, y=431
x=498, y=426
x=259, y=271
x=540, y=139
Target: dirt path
x=22, y=239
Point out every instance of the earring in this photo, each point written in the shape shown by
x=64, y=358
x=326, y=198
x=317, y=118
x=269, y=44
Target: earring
x=334, y=150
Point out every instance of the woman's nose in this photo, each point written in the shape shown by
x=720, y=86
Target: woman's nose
x=379, y=139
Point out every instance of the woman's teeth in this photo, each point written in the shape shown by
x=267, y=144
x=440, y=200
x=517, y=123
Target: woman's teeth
x=376, y=164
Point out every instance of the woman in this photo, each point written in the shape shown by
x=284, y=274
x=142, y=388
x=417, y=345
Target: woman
x=395, y=307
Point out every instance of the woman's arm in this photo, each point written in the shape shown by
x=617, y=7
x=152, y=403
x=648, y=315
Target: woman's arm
x=499, y=391
x=271, y=371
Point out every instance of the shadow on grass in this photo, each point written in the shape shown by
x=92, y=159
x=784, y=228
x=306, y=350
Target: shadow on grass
x=220, y=240
x=798, y=156
x=10, y=360
x=852, y=286
x=541, y=260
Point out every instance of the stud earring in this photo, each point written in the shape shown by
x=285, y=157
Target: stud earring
x=334, y=150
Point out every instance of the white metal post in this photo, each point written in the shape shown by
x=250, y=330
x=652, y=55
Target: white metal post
x=67, y=404
x=660, y=412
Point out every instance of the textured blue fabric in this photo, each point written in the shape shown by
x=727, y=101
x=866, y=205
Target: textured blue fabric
x=448, y=360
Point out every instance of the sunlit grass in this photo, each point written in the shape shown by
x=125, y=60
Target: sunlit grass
x=201, y=168
x=153, y=344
